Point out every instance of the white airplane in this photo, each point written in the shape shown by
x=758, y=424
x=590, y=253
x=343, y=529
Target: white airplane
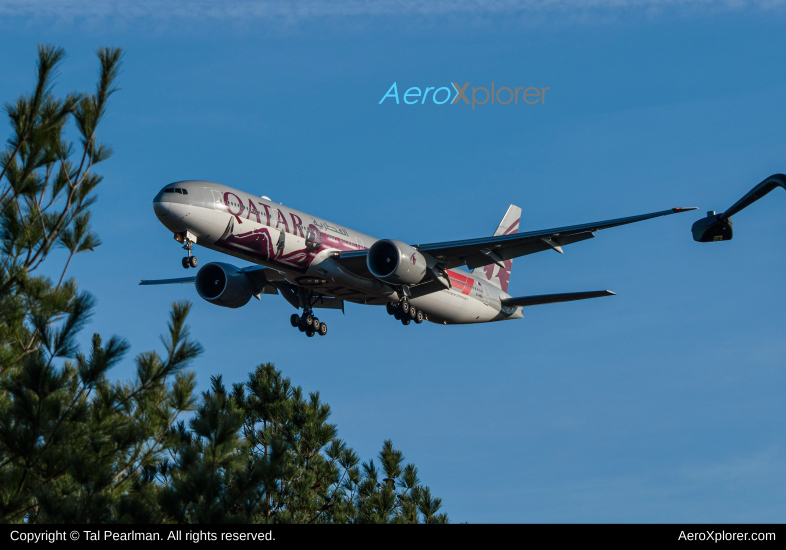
x=315, y=264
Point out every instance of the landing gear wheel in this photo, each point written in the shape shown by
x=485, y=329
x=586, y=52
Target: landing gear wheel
x=405, y=321
x=308, y=319
x=301, y=328
x=294, y=320
x=391, y=308
x=315, y=323
x=419, y=317
x=397, y=315
x=192, y=261
x=322, y=329
x=310, y=332
x=405, y=307
x=185, y=262
x=413, y=313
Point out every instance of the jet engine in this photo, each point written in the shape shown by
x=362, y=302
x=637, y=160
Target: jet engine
x=224, y=285
x=396, y=262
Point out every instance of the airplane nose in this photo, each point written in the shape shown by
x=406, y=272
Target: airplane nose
x=162, y=210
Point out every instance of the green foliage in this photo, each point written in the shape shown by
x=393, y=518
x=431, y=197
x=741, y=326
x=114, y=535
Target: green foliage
x=77, y=447
x=265, y=454
x=73, y=444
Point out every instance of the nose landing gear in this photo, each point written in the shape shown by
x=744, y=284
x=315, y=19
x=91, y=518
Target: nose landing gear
x=188, y=244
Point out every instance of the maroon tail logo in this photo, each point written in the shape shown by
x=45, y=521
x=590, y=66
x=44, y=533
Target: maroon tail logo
x=502, y=273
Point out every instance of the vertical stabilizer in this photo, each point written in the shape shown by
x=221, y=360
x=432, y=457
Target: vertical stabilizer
x=493, y=273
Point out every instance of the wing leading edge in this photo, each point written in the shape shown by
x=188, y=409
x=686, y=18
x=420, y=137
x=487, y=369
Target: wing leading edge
x=474, y=252
x=479, y=252
x=180, y=281
x=268, y=281
x=261, y=275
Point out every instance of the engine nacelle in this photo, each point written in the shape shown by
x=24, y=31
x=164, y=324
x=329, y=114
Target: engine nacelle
x=396, y=262
x=223, y=285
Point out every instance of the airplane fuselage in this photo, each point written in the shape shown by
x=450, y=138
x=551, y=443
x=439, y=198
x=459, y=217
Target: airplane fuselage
x=302, y=248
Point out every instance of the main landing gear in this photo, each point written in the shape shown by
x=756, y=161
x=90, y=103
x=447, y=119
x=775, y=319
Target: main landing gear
x=405, y=312
x=308, y=323
x=188, y=261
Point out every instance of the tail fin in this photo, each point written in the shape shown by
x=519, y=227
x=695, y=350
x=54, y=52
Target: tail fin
x=493, y=273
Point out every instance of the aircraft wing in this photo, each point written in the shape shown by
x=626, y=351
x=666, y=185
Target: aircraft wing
x=479, y=252
x=267, y=281
x=355, y=261
x=275, y=282
x=484, y=251
x=262, y=277
x=180, y=281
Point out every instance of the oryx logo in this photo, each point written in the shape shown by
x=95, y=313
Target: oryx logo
x=412, y=259
x=445, y=95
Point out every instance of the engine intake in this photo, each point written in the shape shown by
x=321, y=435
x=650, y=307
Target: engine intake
x=224, y=285
x=396, y=262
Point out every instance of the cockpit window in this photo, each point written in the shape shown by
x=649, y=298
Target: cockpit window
x=176, y=190
x=185, y=191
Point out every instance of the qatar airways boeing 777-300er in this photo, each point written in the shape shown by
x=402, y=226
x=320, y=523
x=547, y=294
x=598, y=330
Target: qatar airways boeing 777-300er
x=316, y=264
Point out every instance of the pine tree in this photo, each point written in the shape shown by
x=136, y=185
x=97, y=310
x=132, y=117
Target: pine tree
x=265, y=454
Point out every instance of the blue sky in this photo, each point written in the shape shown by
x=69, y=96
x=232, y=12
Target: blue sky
x=663, y=403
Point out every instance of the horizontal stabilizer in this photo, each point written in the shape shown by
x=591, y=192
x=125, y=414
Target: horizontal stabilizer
x=180, y=281
x=554, y=298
